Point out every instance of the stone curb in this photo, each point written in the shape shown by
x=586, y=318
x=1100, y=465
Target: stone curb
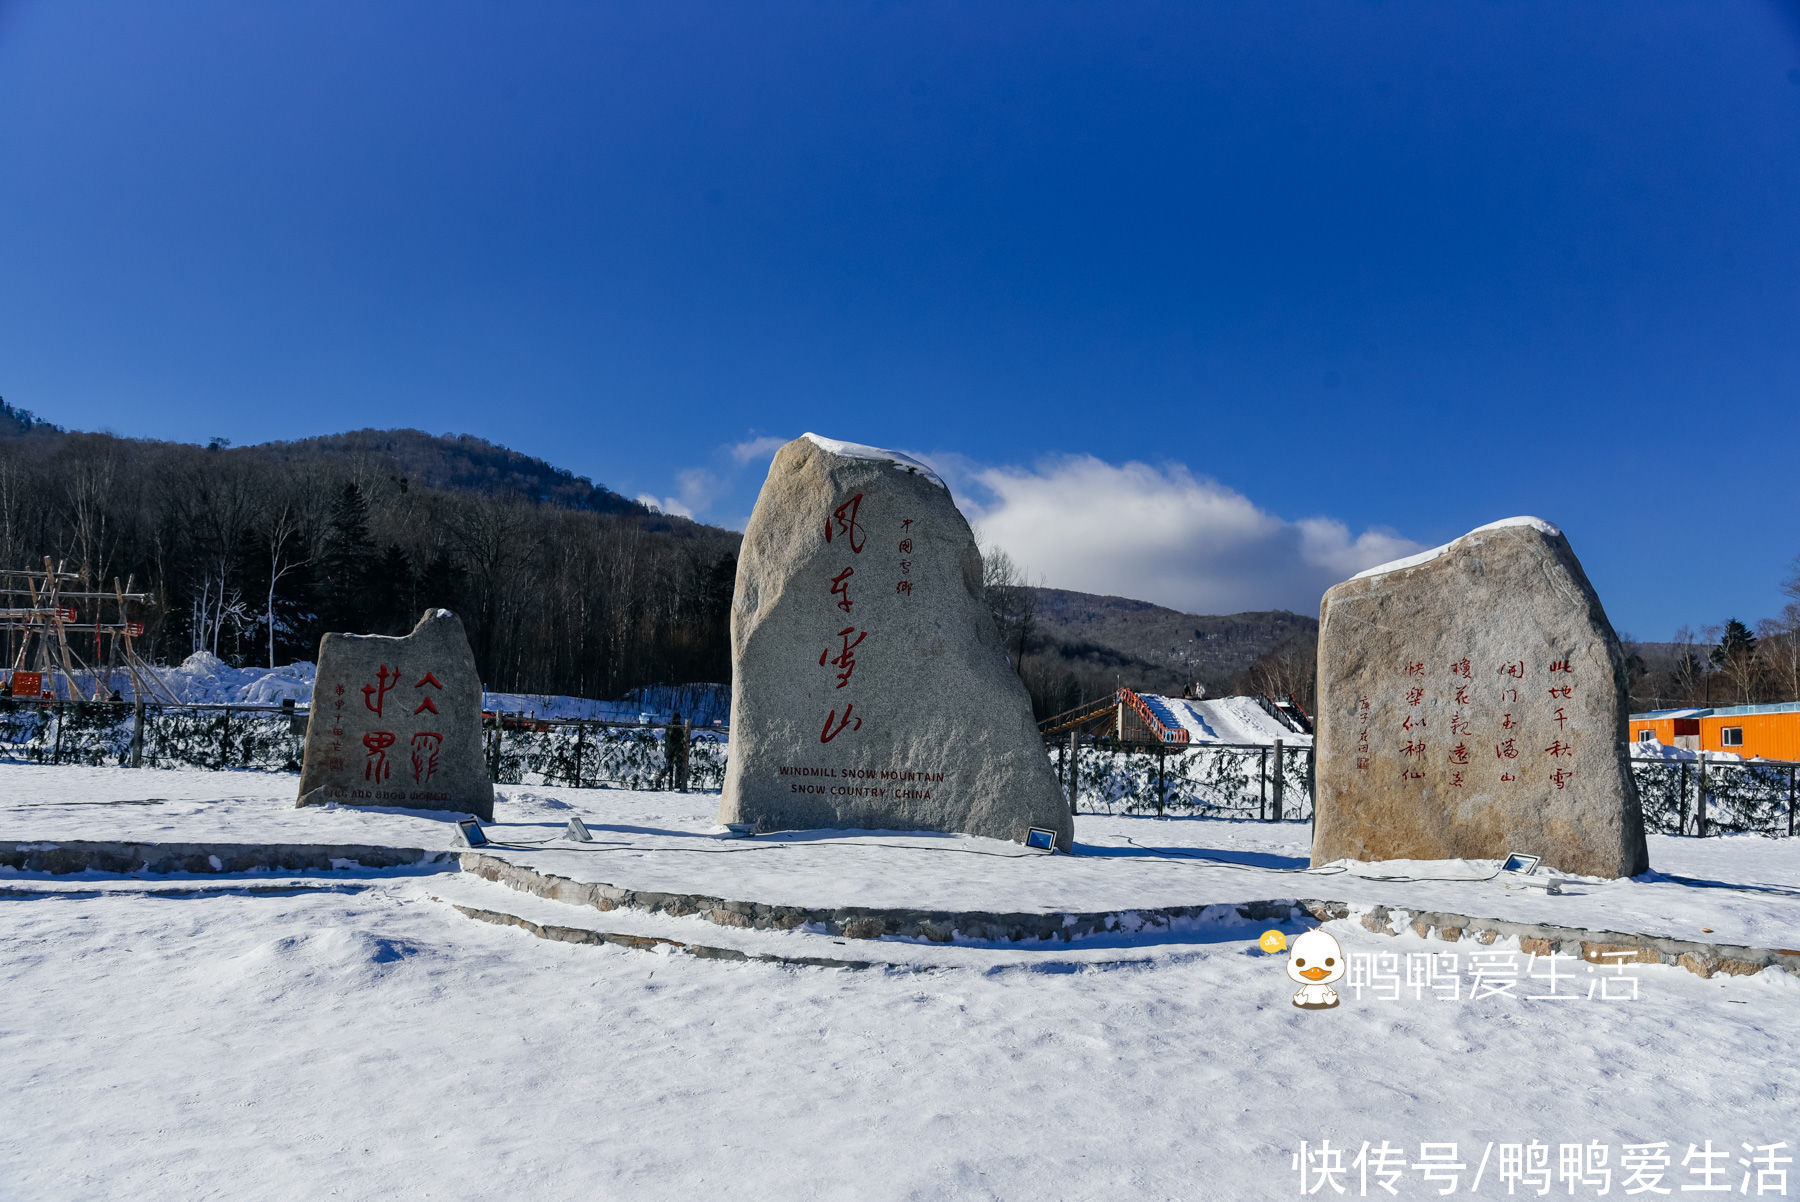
x=1596, y=947
x=864, y=922
x=941, y=926
x=650, y=943
x=208, y=859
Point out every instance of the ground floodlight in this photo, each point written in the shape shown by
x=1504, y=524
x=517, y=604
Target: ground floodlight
x=1520, y=873
x=740, y=830
x=471, y=832
x=1039, y=839
x=578, y=831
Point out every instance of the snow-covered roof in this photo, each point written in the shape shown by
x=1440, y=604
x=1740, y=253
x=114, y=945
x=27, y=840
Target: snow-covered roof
x=1413, y=561
x=1226, y=720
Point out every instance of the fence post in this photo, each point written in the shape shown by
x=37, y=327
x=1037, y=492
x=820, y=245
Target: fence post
x=1162, y=792
x=1280, y=783
x=1074, y=772
x=56, y=753
x=1681, y=802
x=1700, y=800
x=580, y=740
x=1791, y=772
x=137, y=733
x=1263, y=811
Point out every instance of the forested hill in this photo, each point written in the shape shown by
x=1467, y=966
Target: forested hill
x=460, y=463
x=253, y=552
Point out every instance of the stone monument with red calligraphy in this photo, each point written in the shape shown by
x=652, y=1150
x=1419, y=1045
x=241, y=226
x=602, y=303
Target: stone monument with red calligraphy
x=397, y=722
x=1472, y=703
x=869, y=686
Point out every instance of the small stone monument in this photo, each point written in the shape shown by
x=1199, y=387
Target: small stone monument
x=1472, y=702
x=869, y=686
x=397, y=722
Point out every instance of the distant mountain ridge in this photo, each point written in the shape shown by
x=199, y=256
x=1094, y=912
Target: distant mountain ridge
x=1148, y=646
x=463, y=463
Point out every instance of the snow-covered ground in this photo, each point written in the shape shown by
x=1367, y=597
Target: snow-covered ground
x=352, y=1037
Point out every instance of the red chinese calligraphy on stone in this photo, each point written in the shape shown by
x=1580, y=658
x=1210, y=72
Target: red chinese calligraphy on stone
x=906, y=523
x=906, y=546
x=1415, y=668
x=1506, y=721
x=1559, y=749
x=375, y=695
x=1459, y=754
x=1413, y=720
x=840, y=587
x=1456, y=780
x=1362, y=763
x=1562, y=717
x=1561, y=778
x=1507, y=749
x=1564, y=693
x=376, y=766
x=1462, y=694
x=1516, y=670
x=905, y=567
x=1362, y=703
x=426, y=706
x=1459, y=725
x=1560, y=665
x=847, y=525
x=904, y=586
x=425, y=746
x=845, y=660
x=1413, y=747
x=340, y=690
x=828, y=734
x=1462, y=668
x=1507, y=776
x=1415, y=695
x=1412, y=774
x=430, y=679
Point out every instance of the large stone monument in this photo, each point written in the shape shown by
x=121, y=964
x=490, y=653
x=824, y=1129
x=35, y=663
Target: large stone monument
x=1472, y=702
x=397, y=722
x=869, y=686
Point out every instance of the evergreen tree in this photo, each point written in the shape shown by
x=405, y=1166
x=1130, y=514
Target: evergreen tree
x=1735, y=645
x=347, y=565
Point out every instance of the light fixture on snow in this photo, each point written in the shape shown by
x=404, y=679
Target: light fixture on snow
x=471, y=832
x=740, y=830
x=1039, y=839
x=578, y=831
x=1518, y=873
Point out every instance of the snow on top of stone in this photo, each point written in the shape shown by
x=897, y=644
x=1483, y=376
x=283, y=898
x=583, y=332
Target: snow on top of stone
x=856, y=450
x=1413, y=561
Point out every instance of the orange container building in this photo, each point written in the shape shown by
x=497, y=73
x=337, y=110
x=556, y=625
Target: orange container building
x=1768, y=732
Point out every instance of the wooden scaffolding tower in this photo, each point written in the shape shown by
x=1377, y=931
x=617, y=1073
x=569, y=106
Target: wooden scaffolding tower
x=40, y=610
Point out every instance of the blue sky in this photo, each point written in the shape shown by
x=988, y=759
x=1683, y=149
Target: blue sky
x=1208, y=304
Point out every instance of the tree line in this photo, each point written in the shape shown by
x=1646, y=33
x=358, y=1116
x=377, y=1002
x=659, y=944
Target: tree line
x=252, y=553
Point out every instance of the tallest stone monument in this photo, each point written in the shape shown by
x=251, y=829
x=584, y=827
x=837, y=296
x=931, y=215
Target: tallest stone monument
x=869, y=687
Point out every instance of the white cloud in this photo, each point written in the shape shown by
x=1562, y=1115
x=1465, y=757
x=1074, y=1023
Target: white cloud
x=1161, y=534
x=757, y=448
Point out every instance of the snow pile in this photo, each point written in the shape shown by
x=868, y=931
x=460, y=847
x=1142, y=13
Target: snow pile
x=205, y=679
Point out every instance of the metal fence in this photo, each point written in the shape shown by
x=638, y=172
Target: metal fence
x=1245, y=781
x=1226, y=780
x=1275, y=783
x=580, y=753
